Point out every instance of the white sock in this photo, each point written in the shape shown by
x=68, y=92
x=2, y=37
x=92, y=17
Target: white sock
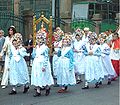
x=13, y=89
x=86, y=84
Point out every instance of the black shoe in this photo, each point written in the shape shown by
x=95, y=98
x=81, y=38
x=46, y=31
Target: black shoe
x=47, y=92
x=12, y=92
x=109, y=82
x=43, y=88
x=97, y=85
x=100, y=83
x=79, y=81
x=37, y=94
x=66, y=87
x=86, y=87
x=26, y=89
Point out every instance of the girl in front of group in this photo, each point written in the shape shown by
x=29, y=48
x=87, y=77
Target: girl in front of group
x=41, y=71
x=65, y=74
x=18, y=68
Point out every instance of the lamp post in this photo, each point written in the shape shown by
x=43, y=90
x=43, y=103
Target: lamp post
x=108, y=1
x=57, y=13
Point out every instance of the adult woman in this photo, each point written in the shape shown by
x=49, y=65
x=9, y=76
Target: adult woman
x=6, y=51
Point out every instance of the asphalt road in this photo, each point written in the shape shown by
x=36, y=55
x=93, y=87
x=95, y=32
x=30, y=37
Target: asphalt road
x=105, y=95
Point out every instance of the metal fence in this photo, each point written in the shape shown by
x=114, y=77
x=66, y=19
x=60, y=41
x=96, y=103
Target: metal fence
x=37, y=6
x=8, y=19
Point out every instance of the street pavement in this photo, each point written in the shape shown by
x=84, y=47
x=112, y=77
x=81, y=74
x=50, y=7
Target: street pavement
x=105, y=95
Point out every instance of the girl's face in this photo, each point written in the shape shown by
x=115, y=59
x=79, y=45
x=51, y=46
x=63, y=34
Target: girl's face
x=65, y=42
x=77, y=37
x=56, y=37
x=92, y=41
x=15, y=44
x=10, y=31
x=101, y=40
x=40, y=41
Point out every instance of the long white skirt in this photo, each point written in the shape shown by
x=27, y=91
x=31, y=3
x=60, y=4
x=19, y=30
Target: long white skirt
x=108, y=67
x=64, y=75
x=18, y=72
x=79, y=63
x=40, y=78
x=93, y=69
x=5, y=76
x=55, y=63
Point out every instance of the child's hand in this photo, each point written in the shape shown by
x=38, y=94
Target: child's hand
x=90, y=53
x=43, y=69
x=76, y=51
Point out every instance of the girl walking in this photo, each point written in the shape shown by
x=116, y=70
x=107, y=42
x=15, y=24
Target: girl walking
x=41, y=71
x=65, y=74
x=18, y=67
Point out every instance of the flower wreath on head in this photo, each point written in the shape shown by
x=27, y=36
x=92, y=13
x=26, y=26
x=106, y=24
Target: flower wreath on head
x=40, y=36
x=18, y=38
x=68, y=38
x=79, y=32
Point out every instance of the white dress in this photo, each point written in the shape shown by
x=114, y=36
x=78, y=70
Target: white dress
x=65, y=74
x=6, y=48
x=106, y=61
x=57, y=46
x=79, y=57
x=93, y=67
x=41, y=59
x=18, y=68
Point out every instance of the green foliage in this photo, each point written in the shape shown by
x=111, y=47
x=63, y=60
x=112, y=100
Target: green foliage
x=82, y=24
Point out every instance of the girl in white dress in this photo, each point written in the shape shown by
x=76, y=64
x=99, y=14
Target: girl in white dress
x=106, y=61
x=18, y=68
x=41, y=71
x=78, y=57
x=93, y=67
x=65, y=74
x=57, y=45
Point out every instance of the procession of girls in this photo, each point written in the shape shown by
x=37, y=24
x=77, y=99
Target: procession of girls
x=83, y=52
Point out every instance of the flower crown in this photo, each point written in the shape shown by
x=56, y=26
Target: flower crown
x=41, y=36
x=17, y=36
x=79, y=31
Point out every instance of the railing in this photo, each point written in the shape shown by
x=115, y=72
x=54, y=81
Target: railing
x=8, y=19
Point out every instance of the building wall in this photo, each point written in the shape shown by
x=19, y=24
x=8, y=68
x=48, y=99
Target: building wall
x=16, y=7
x=65, y=8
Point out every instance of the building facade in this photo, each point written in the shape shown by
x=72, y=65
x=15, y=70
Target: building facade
x=20, y=12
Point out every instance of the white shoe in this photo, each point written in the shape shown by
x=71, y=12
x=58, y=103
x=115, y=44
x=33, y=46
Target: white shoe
x=3, y=87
